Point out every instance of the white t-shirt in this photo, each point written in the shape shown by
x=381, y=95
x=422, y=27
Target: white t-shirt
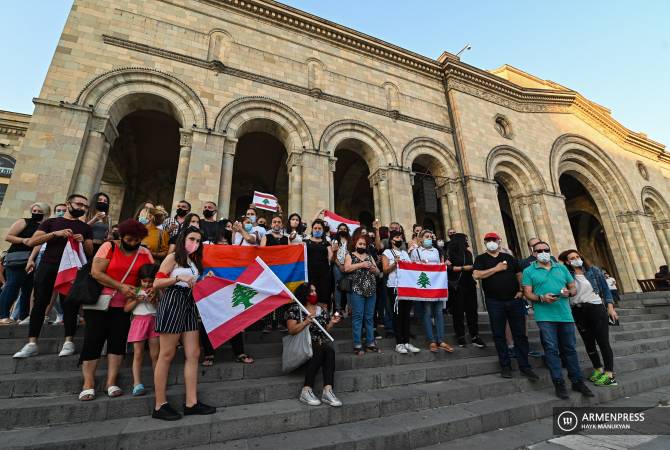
x=260, y=231
x=391, y=255
x=425, y=255
x=238, y=239
x=144, y=308
x=611, y=283
x=585, y=293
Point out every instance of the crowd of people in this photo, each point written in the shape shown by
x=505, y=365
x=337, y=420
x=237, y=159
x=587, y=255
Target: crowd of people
x=147, y=266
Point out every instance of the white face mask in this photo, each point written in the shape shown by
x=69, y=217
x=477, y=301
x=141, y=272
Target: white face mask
x=492, y=246
x=544, y=257
x=577, y=262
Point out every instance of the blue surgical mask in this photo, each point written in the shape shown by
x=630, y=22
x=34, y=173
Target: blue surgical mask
x=143, y=220
x=428, y=243
x=544, y=257
x=248, y=227
x=252, y=218
x=317, y=233
x=60, y=213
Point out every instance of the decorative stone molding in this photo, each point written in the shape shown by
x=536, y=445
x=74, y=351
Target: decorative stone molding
x=294, y=159
x=643, y=170
x=185, y=138
x=383, y=152
x=332, y=163
x=377, y=176
x=105, y=127
x=502, y=126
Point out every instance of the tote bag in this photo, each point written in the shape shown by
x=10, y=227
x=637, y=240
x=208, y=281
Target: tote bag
x=297, y=349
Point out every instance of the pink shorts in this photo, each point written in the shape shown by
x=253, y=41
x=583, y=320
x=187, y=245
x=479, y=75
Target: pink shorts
x=142, y=328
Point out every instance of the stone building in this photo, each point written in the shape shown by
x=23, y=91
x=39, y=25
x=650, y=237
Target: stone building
x=212, y=99
x=13, y=128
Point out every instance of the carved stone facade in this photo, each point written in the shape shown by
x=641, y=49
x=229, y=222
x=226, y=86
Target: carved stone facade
x=211, y=99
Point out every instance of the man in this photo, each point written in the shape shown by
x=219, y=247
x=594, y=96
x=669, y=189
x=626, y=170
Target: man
x=173, y=224
x=548, y=285
x=55, y=233
x=500, y=277
x=208, y=223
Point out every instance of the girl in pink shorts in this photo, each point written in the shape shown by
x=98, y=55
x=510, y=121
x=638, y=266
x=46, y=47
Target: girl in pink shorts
x=143, y=325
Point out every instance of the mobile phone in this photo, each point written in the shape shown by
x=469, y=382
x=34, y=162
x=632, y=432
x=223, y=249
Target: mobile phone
x=613, y=323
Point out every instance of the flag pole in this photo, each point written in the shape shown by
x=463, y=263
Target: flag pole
x=288, y=291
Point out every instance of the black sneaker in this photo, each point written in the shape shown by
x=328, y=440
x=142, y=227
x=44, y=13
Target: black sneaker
x=461, y=342
x=528, y=373
x=165, y=412
x=199, y=409
x=561, y=391
x=506, y=372
x=583, y=389
x=477, y=342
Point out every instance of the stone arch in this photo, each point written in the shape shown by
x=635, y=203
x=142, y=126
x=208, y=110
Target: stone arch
x=219, y=45
x=249, y=114
x=654, y=204
x=517, y=172
x=121, y=91
x=442, y=159
x=377, y=151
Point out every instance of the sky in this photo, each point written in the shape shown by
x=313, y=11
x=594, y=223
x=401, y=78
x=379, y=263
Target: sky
x=615, y=52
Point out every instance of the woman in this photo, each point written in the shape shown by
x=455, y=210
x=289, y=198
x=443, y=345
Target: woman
x=115, y=267
x=319, y=256
x=191, y=220
x=244, y=233
x=323, y=355
x=591, y=315
x=98, y=218
x=237, y=342
x=340, y=243
x=463, y=290
x=401, y=309
x=295, y=229
x=611, y=284
x=432, y=311
x=276, y=235
x=157, y=240
x=177, y=320
x=18, y=276
x=363, y=271
x=142, y=208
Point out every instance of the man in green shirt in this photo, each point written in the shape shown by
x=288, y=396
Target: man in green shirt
x=548, y=285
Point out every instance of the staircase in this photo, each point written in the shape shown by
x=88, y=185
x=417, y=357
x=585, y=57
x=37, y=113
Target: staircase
x=390, y=400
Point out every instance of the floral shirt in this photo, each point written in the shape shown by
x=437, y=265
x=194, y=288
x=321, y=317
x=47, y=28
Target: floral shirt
x=363, y=282
x=297, y=314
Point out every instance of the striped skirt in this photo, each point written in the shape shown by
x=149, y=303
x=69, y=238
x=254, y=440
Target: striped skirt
x=177, y=312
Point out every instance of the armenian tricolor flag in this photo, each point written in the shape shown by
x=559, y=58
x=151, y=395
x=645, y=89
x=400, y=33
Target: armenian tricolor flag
x=288, y=262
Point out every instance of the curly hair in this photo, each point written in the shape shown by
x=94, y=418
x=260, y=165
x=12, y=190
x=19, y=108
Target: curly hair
x=131, y=227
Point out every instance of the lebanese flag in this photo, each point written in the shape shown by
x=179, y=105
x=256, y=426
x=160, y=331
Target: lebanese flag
x=72, y=260
x=422, y=282
x=265, y=201
x=333, y=220
x=228, y=307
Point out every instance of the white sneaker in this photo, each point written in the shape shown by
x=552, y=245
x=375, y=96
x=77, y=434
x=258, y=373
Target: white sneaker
x=328, y=397
x=412, y=348
x=68, y=349
x=25, y=321
x=400, y=348
x=307, y=396
x=27, y=351
x=58, y=321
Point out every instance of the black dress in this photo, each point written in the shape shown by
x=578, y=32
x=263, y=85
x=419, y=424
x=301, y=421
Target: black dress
x=318, y=268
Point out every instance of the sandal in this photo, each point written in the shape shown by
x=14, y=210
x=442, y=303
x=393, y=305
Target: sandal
x=208, y=361
x=114, y=391
x=433, y=347
x=139, y=390
x=446, y=347
x=373, y=349
x=87, y=395
x=358, y=351
x=7, y=321
x=244, y=359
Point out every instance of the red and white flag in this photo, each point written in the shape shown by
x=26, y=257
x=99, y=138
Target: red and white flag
x=72, y=260
x=265, y=201
x=333, y=220
x=422, y=282
x=228, y=307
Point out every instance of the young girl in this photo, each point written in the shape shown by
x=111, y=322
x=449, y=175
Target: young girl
x=143, y=325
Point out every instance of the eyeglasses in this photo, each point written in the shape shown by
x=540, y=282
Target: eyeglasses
x=543, y=250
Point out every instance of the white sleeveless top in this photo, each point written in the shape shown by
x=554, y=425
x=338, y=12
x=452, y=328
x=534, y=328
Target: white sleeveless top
x=191, y=270
x=144, y=308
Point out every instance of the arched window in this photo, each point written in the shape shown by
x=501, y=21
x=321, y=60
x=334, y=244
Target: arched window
x=502, y=126
x=7, y=164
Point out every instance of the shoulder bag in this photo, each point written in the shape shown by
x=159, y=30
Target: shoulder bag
x=297, y=349
x=102, y=303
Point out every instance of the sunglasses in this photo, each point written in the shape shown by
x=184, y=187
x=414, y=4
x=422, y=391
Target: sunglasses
x=543, y=250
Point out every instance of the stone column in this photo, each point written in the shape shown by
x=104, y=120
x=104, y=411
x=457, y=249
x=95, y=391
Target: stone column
x=382, y=200
x=559, y=232
x=527, y=221
x=99, y=139
x=628, y=250
x=332, y=164
x=640, y=247
x=402, y=204
x=666, y=233
x=375, y=198
x=315, y=171
x=442, y=195
x=539, y=218
x=455, y=218
x=663, y=235
x=204, y=169
x=226, y=188
x=185, y=140
x=294, y=167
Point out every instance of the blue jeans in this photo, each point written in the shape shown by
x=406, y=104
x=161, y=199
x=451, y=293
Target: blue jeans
x=558, y=341
x=383, y=314
x=430, y=310
x=513, y=311
x=362, y=311
x=16, y=280
x=337, y=295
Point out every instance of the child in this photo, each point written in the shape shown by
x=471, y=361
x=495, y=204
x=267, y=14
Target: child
x=143, y=325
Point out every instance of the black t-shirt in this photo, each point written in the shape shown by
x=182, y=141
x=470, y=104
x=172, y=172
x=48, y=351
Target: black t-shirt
x=271, y=240
x=317, y=254
x=56, y=245
x=210, y=230
x=502, y=285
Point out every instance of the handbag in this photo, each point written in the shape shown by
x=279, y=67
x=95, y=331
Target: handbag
x=297, y=349
x=344, y=284
x=17, y=259
x=85, y=289
x=102, y=302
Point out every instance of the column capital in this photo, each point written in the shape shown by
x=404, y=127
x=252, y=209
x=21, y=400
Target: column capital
x=294, y=159
x=104, y=126
x=332, y=163
x=377, y=176
x=185, y=137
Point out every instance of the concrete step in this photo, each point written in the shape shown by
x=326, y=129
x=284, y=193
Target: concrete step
x=402, y=417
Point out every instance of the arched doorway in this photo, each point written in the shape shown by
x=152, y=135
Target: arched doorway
x=354, y=197
x=427, y=205
x=513, y=242
x=586, y=224
x=260, y=165
x=7, y=164
x=657, y=208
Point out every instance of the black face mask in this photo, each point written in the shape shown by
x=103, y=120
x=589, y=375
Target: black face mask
x=208, y=213
x=116, y=235
x=343, y=233
x=37, y=216
x=76, y=213
x=361, y=250
x=397, y=243
x=181, y=212
x=102, y=206
x=130, y=248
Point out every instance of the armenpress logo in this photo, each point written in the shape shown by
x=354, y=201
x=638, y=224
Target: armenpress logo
x=567, y=421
